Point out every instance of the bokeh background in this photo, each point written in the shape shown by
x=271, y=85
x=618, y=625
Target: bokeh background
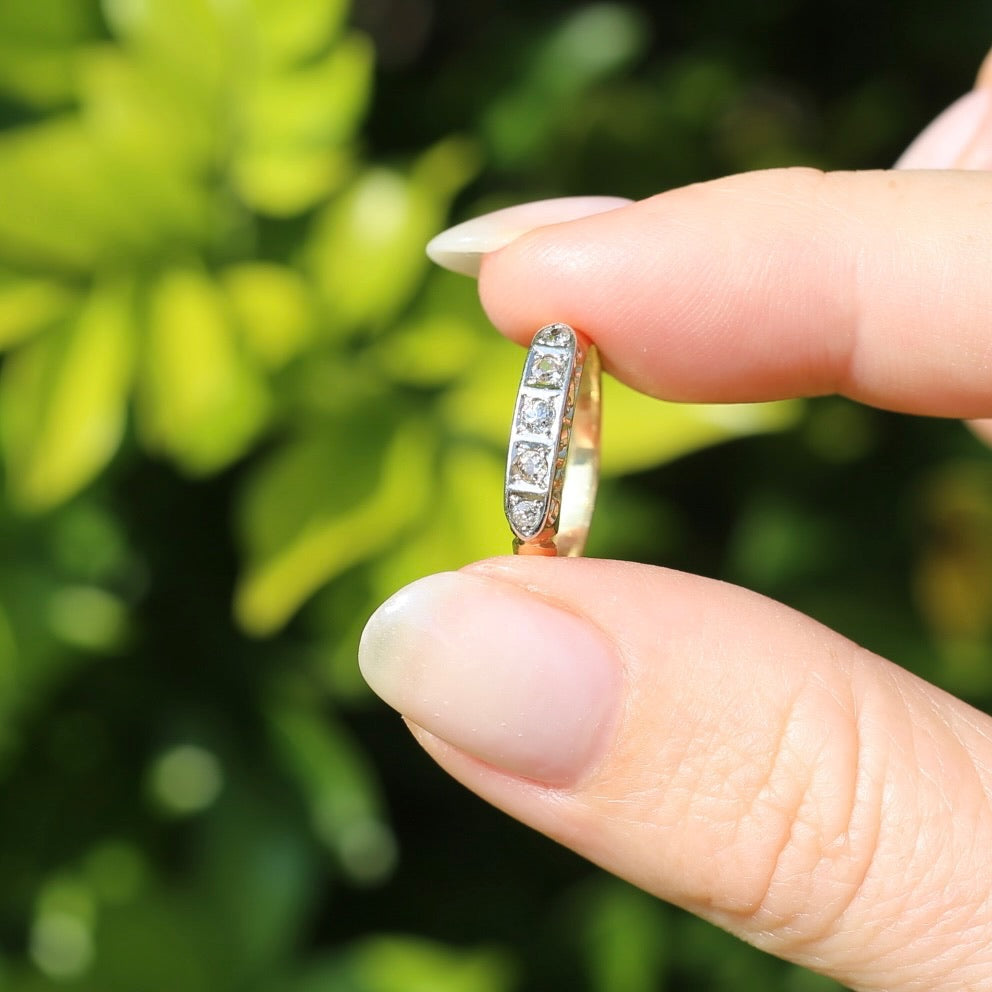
x=237, y=410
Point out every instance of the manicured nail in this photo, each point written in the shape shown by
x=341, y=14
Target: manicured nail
x=955, y=138
x=495, y=671
x=461, y=248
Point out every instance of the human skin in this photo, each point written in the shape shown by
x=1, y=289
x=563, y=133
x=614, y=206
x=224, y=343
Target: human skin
x=718, y=749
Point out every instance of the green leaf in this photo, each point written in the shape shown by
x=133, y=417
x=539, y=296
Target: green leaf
x=318, y=104
x=282, y=182
x=480, y=404
x=63, y=399
x=30, y=305
x=623, y=938
x=10, y=679
x=593, y=43
x=201, y=401
x=640, y=432
x=257, y=882
x=322, y=504
x=399, y=964
x=466, y=521
x=409, y=964
x=38, y=40
x=288, y=32
x=194, y=42
x=367, y=248
x=273, y=310
x=130, y=108
x=73, y=203
x=295, y=125
x=340, y=790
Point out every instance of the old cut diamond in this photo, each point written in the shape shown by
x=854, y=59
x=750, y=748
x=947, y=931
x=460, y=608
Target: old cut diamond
x=546, y=370
x=526, y=515
x=530, y=465
x=555, y=336
x=536, y=415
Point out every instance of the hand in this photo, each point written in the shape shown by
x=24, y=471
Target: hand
x=715, y=748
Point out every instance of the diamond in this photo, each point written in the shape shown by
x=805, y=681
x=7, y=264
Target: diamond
x=536, y=415
x=530, y=465
x=546, y=370
x=526, y=515
x=555, y=336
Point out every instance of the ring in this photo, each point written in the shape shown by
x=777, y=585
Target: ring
x=552, y=464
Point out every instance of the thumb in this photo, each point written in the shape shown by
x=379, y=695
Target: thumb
x=715, y=748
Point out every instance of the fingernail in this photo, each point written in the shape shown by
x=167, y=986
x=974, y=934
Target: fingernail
x=461, y=248
x=947, y=142
x=497, y=672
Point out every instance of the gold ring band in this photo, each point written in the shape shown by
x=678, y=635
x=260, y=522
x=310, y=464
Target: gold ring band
x=552, y=465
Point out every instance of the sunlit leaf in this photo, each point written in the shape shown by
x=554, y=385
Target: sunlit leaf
x=409, y=964
x=272, y=308
x=466, y=521
x=367, y=248
x=640, y=432
x=283, y=181
x=340, y=790
x=440, y=337
x=131, y=107
x=29, y=305
x=481, y=403
x=431, y=351
x=63, y=398
x=38, y=40
x=193, y=41
x=322, y=504
x=294, y=126
x=292, y=31
x=366, y=251
x=59, y=208
x=71, y=203
x=201, y=401
x=314, y=105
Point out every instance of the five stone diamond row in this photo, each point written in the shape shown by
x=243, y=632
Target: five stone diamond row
x=539, y=435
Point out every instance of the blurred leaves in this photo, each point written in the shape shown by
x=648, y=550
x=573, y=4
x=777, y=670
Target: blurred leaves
x=201, y=399
x=337, y=784
x=63, y=398
x=640, y=432
x=323, y=504
x=38, y=48
x=405, y=964
x=366, y=252
x=591, y=43
x=228, y=375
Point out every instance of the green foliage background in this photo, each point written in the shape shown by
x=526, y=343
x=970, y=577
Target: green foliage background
x=237, y=410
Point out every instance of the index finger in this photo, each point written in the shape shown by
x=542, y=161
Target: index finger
x=773, y=284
